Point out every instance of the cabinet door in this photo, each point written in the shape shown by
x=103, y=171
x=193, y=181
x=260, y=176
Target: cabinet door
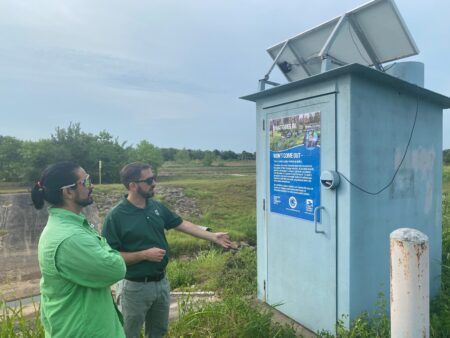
x=301, y=214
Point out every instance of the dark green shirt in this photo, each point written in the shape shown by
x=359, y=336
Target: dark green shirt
x=128, y=228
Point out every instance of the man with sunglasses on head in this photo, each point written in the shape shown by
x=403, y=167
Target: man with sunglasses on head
x=77, y=264
x=135, y=227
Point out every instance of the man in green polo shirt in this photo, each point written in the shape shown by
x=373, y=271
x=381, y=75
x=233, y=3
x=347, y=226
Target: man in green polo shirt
x=77, y=264
x=135, y=227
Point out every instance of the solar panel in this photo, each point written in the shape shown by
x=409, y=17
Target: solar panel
x=371, y=34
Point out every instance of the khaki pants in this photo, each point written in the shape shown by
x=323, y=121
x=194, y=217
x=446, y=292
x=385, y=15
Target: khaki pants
x=147, y=303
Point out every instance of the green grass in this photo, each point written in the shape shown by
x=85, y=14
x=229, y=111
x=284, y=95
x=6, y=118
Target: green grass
x=106, y=188
x=196, y=273
x=12, y=187
x=446, y=180
x=215, y=270
x=15, y=323
x=440, y=306
x=234, y=316
x=228, y=204
x=374, y=325
x=170, y=171
x=195, y=169
x=233, y=275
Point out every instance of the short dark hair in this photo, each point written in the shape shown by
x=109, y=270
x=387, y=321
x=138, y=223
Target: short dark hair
x=132, y=172
x=48, y=188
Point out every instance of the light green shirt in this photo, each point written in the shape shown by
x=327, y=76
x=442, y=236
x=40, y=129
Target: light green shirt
x=78, y=267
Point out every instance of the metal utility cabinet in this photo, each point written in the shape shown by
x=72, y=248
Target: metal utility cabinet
x=323, y=247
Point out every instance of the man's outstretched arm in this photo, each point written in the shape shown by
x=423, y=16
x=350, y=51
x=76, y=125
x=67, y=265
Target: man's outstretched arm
x=220, y=238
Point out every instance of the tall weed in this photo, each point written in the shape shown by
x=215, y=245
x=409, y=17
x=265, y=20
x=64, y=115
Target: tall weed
x=375, y=325
x=15, y=323
x=234, y=316
x=440, y=306
x=181, y=274
x=200, y=270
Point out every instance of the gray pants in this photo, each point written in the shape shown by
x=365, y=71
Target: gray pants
x=144, y=303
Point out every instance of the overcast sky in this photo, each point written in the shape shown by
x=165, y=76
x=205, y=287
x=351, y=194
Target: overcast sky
x=168, y=71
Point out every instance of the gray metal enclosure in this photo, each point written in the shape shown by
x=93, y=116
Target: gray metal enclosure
x=325, y=253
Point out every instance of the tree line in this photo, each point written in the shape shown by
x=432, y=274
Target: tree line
x=446, y=157
x=23, y=161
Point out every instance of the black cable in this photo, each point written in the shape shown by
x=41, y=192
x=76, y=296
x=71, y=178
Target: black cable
x=396, y=170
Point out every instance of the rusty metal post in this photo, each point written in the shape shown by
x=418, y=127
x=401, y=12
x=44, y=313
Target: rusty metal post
x=410, y=308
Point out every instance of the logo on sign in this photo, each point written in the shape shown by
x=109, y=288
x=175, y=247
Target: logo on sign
x=292, y=202
x=276, y=200
x=309, y=205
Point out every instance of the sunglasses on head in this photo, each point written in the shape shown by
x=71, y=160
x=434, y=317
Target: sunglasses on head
x=148, y=180
x=86, y=182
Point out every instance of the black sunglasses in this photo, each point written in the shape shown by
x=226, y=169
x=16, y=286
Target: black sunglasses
x=148, y=180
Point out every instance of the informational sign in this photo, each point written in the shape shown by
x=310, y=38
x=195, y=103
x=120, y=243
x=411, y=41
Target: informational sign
x=295, y=165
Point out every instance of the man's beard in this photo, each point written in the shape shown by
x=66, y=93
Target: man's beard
x=147, y=194
x=85, y=201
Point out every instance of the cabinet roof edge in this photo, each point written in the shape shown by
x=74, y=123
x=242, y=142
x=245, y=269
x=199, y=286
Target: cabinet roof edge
x=359, y=70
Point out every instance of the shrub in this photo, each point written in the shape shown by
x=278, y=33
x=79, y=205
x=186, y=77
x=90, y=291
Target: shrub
x=239, y=273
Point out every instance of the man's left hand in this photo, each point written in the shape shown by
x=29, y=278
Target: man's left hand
x=222, y=239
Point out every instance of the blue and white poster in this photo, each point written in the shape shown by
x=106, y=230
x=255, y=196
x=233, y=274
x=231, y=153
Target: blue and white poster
x=295, y=165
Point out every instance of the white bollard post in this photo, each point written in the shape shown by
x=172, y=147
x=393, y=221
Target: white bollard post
x=410, y=300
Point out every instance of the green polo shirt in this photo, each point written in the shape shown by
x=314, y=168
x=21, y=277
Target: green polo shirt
x=78, y=267
x=128, y=228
